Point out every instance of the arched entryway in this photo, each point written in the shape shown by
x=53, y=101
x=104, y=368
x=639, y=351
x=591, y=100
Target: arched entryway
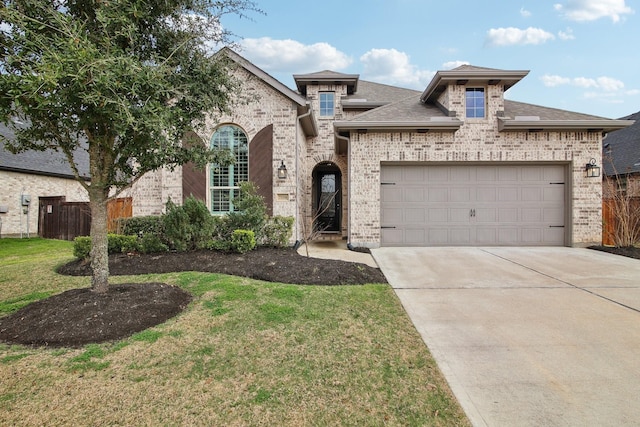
x=327, y=198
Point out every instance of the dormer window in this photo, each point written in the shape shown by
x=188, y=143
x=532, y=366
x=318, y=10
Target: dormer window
x=327, y=101
x=475, y=103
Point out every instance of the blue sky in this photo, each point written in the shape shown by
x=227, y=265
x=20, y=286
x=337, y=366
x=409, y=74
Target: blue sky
x=582, y=54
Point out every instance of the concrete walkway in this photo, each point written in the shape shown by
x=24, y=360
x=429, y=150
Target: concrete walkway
x=527, y=336
x=335, y=249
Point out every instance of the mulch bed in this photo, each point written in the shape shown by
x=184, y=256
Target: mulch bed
x=627, y=251
x=80, y=316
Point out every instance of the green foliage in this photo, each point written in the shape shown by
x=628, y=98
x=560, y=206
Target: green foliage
x=125, y=82
x=14, y=304
x=117, y=244
x=277, y=231
x=82, y=247
x=251, y=210
x=141, y=225
x=189, y=226
x=243, y=241
x=150, y=243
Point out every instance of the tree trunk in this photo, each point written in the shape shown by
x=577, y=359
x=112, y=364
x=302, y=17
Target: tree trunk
x=99, y=242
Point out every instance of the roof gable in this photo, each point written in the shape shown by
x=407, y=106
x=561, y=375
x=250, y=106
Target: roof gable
x=326, y=77
x=466, y=74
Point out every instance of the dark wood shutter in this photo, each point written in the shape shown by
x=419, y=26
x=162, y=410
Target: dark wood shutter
x=194, y=180
x=261, y=165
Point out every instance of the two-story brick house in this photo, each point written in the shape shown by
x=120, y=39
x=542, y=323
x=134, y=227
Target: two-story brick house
x=377, y=165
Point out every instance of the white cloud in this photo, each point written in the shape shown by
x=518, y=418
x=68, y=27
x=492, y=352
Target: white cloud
x=552, y=81
x=450, y=65
x=516, y=36
x=286, y=55
x=591, y=10
x=606, y=84
x=393, y=67
x=632, y=92
x=525, y=13
x=566, y=35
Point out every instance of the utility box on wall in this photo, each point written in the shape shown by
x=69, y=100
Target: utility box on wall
x=25, y=199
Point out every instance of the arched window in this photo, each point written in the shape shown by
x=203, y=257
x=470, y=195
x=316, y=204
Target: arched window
x=225, y=181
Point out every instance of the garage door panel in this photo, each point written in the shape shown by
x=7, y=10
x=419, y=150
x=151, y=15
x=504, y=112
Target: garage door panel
x=438, y=215
x=473, y=205
x=392, y=216
x=415, y=216
x=414, y=194
x=459, y=215
x=390, y=194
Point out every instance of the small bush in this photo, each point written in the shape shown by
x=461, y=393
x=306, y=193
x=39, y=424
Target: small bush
x=243, y=241
x=189, y=226
x=117, y=243
x=141, y=225
x=82, y=247
x=151, y=243
x=277, y=231
x=251, y=211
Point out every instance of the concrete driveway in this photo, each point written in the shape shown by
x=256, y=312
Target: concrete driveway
x=527, y=336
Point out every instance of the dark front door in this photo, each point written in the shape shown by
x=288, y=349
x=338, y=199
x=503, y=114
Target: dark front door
x=328, y=204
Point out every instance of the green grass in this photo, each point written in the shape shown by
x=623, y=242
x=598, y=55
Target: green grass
x=244, y=352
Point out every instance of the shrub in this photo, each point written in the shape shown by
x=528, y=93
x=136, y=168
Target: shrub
x=251, y=211
x=176, y=226
x=243, y=241
x=120, y=243
x=82, y=247
x=189, y=226
x=140, y=225
x=117, y=243
x=151, y=243
x=277, y=231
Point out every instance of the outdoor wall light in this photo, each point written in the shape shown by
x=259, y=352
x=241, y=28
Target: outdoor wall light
x=282, y=170
x=593, y=170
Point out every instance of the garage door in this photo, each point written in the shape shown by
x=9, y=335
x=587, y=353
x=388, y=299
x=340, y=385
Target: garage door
x=514, y=205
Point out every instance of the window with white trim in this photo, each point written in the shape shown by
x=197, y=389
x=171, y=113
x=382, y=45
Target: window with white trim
x=224, y=181
x=327, y=102
x=475, y=103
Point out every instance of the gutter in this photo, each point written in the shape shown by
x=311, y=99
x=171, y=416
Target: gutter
x=536, y=125
x=299, y=119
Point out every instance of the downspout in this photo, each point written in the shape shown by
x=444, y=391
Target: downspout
x=348, y=142
x=298, y=125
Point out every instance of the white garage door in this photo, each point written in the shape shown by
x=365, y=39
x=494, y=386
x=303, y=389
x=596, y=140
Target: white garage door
x=514, y=205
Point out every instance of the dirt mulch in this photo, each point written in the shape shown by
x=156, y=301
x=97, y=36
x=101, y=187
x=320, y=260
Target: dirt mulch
x=268, y=264
x=80, y=316
x=627, y=251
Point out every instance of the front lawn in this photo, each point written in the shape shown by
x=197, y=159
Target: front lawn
x=245, y=352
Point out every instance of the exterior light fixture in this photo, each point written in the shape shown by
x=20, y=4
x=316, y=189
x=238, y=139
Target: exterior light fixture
x=282, y=171
x=593, y=170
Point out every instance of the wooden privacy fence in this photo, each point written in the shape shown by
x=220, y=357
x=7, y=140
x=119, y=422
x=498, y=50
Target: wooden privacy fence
x=59, y=219
x=610, y=218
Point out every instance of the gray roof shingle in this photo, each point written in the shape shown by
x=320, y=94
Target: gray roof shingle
x=621, y=149
x=49, y=162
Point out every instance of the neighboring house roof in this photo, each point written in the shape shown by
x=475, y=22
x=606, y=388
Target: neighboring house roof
x=304, y=110
x=49, y=162
x=621, y=149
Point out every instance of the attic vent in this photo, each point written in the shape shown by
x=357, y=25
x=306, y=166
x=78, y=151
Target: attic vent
x=527, y=118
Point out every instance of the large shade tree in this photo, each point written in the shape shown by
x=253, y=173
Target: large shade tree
x=124, y=79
